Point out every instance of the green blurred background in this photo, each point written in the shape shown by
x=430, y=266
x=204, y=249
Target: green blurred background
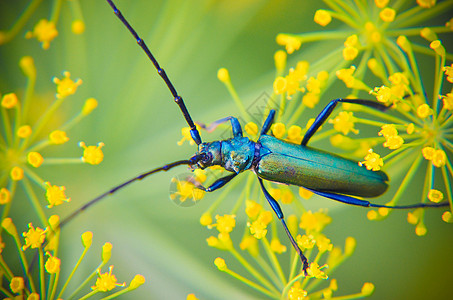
x=140, y=126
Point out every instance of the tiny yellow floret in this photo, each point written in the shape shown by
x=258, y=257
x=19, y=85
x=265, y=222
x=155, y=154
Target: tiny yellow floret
x=304, y=193
x=280, y=57
x=27, y=65
x=291, y=43
x=66, y=86
x=78, y=27
x=387, y=14
x=447, y=217
x=33, y=237
x=44, y=31
x=251, y=128
x=106, y=252
x=106, y=281
x=9, y=100
x=223, y=75
x=448, y=101
x=448, y=70
x=87, y=239
x=373, y=161
x=52, y=265
x=278, y=130
x=17, y=173
x=191, y=297
x=388, y=130
x=367, y=289
x=225, y=223
x=206, y=219
x=439, y=158
x=314, y=270
x=435, y=195
x=252, y=209
x=344, y=123
x=24, y=131
x=424, y=111
x=322, y=17
x=349, y=53
x=33, y=296
x=35, y=159
x=381, y=3
x=58, y=137
x=426, y=3
x=55, y=194
x=92, y=154
x=404, y=43
x=277, y=247
x=137, y=281
x=394, y=142
x=5, y=196
x=8, y=225
x=89, y=106
x=17, y=284
x=220, y=264
x=296, y=292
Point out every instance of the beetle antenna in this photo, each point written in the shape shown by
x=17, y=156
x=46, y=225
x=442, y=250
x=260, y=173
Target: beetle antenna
x=177, y=98
x=192, y=161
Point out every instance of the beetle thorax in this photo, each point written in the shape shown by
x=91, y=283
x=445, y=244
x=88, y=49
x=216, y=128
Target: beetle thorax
x=235, y=155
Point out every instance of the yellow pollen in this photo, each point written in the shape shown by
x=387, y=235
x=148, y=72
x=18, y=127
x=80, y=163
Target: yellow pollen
x=278, y=130
x=344, y=123
x=220, y=264
x=394, y=142
x=137, y=281
x=296, y=292
x=367, y=289
x=448, y=70
x=448, y=101
x=27, y=65
x=280, y=85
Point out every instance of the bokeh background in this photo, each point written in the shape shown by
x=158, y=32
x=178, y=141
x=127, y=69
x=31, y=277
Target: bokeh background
x=140, y=126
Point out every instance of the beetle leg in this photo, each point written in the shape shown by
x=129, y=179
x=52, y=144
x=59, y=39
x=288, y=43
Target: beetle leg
x=217, y=184
x=278, y=211
x=357, y=202
x=237, y=130
x=267, y=124
x=327, y=111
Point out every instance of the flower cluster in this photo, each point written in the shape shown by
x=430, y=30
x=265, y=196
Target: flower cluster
x=49, y=265
x=45, y=30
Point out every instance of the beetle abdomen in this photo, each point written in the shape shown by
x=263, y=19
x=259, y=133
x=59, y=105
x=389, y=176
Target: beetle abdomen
x=314, y=169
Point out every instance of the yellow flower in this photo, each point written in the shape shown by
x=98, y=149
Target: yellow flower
x=322, y=17
x=52, y=264
x=373, y=161
x=106, y=281
x=55, y=195
x=44, y=31
x=92, y=154
x=9, y=100
x=17, y=284
x=66, y=86
x=33, y=237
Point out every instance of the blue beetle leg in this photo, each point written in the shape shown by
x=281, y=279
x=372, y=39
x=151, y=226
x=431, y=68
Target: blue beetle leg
x=217, y=184
x=237, y=129
x=327, y=111
x=278, y=211
x=357, y=202
x=267, y=124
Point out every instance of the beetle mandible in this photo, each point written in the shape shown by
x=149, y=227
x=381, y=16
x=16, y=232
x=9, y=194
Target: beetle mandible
x=271, y=159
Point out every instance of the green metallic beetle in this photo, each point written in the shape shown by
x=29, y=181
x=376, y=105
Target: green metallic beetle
x=323, y=173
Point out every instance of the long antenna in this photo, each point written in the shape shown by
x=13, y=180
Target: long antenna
x=178, y=99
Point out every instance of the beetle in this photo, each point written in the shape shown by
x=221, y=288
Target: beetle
x=271, y=159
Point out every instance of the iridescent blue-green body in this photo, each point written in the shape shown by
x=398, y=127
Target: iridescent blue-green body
x=280, y=161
